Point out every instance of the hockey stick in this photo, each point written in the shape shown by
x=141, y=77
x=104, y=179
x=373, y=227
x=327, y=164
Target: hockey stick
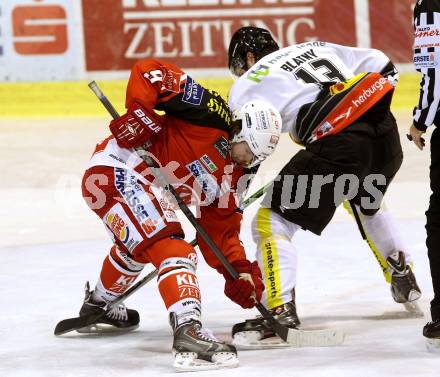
x=281, y=331
x=70, y=324
x=246, y=203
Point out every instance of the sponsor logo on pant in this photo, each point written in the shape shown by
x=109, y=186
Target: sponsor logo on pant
x=139, y=202
x=121, y=227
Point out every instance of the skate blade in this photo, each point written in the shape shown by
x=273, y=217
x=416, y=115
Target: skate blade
x=188, y=361
x=413, y=309
x=433, y=345
x=248, y=340
x=102, y=329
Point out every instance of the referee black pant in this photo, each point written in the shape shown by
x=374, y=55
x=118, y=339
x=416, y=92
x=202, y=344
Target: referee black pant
x=433, y=220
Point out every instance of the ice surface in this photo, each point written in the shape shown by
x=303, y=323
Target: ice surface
x=51, y=244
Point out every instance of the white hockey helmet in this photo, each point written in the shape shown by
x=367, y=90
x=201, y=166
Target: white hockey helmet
x=260, y=128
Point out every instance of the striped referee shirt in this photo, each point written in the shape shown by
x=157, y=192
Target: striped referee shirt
x=427, y=60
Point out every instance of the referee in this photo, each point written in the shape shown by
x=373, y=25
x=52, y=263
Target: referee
x=427, y=61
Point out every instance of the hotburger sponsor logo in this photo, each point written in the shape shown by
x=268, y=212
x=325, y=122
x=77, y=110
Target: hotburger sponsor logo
x=376, y=87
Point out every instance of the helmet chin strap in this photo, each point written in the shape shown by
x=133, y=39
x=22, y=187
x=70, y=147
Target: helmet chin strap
x=250, y=59
x=256, y=161
x=238, y=138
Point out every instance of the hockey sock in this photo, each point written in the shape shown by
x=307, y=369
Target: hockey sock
x=179, y=289
x=382, y=235
x=118, y=272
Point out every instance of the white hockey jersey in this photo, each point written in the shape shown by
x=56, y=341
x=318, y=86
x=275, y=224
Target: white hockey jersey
x=292, y=77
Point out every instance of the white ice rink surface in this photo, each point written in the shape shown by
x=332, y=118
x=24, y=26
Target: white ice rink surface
x=51, y=244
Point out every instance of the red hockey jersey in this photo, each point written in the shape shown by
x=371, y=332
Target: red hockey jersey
x=192, y=150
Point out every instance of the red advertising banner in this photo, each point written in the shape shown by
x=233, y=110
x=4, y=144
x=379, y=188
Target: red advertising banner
x=391, y=28
x=196, y=33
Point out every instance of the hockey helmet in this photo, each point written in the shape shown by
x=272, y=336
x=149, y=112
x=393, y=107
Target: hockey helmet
x=249, y=39
x=260, y=127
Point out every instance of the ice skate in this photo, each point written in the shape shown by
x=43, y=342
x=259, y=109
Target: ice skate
x=257, y=334
x=404, y=288
x=117, y=318
x=195, y=348
x=431, y=332
x=258, y=328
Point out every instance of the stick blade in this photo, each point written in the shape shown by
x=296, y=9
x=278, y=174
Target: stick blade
x=248, y=340
x=315, y=338
x=69, y=324
x=75, y=323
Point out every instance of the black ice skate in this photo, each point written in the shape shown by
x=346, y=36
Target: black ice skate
x=431, y=332
x=257, y=329
x=257, y=334
x=404, y=288
x=196, y=348
x=117, y=318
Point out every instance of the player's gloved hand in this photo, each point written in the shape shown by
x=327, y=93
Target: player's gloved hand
x=137, y=126
x=246, y=290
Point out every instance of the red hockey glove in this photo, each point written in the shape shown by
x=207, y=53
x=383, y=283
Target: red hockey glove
x=248, y=289
x=136, y=126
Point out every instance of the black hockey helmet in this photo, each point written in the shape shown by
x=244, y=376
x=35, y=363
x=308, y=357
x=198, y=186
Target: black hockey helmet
x=249, y=39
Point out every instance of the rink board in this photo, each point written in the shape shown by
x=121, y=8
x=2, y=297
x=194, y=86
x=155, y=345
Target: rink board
x=74, y=99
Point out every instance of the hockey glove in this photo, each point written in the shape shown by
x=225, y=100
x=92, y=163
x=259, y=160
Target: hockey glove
x=246, y=290
x=137, y=126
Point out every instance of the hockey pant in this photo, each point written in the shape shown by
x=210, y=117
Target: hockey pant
x=144, y=229
x=277, y=254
